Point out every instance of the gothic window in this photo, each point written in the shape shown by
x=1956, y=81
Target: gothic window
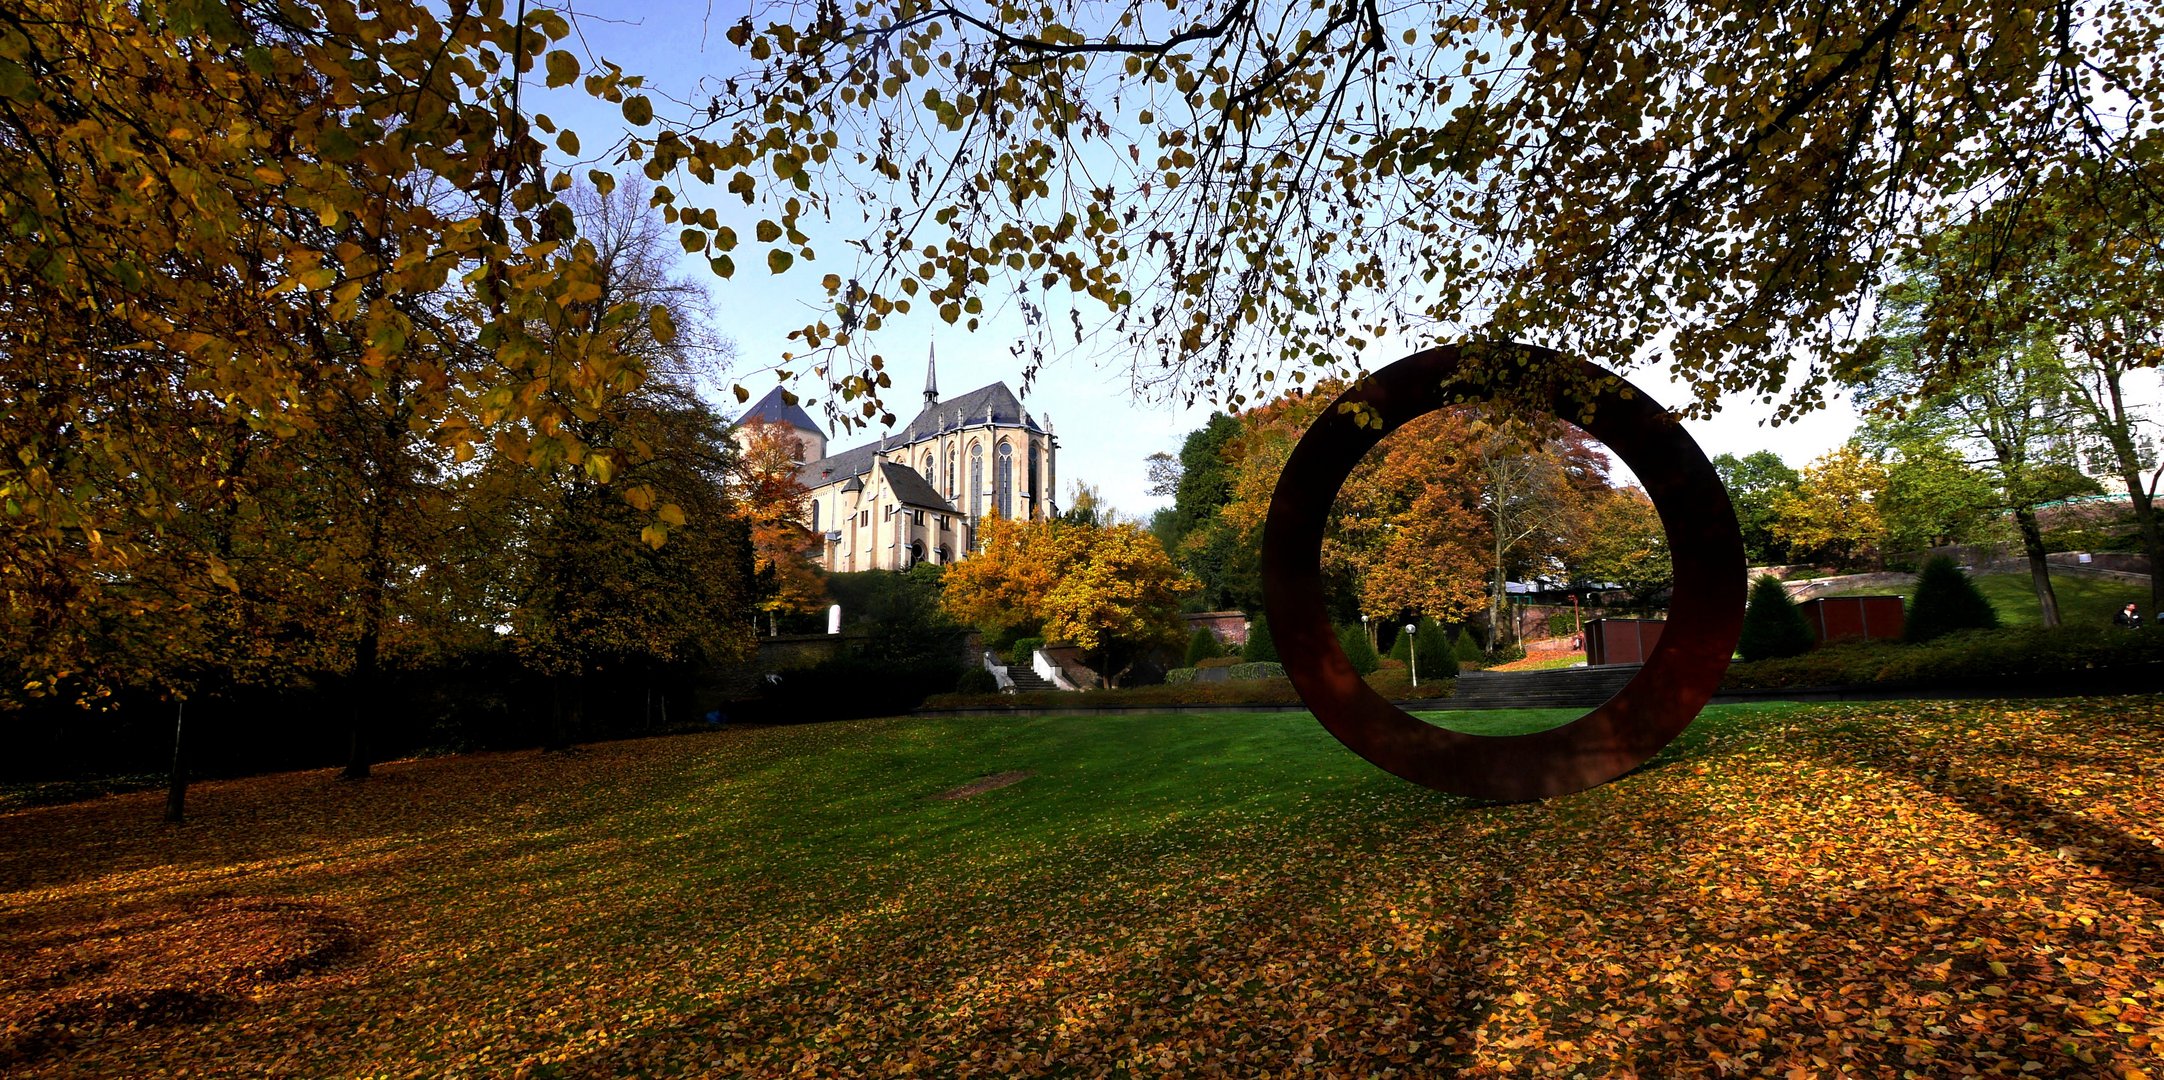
x=1003, y=501
x=976, y=480
x=916, y=552
x=926, y=469
x=815, y=516
x=946, y=554
x=1033, y=483
x=953, y=474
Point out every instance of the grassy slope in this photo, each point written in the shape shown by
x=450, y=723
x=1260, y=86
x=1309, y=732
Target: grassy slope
x=1164, y=894
x=2083, y=600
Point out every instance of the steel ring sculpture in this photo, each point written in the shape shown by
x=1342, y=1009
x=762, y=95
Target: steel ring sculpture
x=1705, y=615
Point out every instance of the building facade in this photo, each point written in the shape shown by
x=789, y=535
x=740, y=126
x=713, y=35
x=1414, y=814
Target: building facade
x=920, y=494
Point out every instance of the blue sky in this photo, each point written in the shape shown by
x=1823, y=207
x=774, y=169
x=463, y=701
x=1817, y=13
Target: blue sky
x=1105, y=430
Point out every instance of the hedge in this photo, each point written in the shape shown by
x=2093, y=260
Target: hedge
x=1962, y=655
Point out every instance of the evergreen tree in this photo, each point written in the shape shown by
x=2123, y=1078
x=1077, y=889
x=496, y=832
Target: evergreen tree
x=1946, y=600
x=1202, y=646
x=1259, y=646
x=1438, y=654
x=1772, y=625
x=1358, y=649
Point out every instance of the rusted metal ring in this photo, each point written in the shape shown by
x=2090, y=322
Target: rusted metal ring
x=1705, y=616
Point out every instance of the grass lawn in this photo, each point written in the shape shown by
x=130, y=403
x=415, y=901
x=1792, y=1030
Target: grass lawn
x=2083, y=600
x=1821, y=889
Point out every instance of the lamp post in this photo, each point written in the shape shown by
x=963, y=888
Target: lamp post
x=1367, y=630
x=1412, y=650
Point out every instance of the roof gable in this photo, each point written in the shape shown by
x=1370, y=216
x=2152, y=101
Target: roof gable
x=775, y=409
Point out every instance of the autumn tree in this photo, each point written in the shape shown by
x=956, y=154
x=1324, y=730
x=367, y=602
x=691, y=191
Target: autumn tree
x=1109, y=590
x=1245, y=187
x=1536, y=478
x=1407, y=528
x=1932, y=496
x=1832, y=514
x=322, y=223
x=778, y=505
x=1620, y=540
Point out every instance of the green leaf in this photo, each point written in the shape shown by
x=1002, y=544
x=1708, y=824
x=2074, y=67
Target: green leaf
x=692, y=239
x=779, y=261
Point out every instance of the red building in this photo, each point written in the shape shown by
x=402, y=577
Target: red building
x=1621, y=641
x=1852, y=618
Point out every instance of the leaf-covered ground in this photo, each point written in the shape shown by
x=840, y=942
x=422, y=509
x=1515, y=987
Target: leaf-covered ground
x=1899, y=889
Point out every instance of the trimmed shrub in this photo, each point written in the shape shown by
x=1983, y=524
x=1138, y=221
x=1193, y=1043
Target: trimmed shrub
x=1354, y=640
x=1259, y=646
x=1946, y=601
x=1024, y=652
x=1401, y=650
x=1773, y=627
x=1261, y=669
x=1179, y=676
x=2014, y=653
x=1468, y=650
x=975, y=680
x=1438, y=655
x=1202, y=646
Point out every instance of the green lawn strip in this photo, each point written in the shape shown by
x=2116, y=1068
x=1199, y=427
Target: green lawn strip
x=2083, y=600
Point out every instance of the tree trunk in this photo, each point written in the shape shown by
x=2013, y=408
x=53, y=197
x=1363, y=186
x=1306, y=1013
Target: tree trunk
x=361, y=702
x=2032, y=542
x=563, y=712
x=176, y=784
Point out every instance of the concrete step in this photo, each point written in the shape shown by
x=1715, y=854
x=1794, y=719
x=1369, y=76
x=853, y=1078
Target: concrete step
x=1561, y=688
x=1028, y=681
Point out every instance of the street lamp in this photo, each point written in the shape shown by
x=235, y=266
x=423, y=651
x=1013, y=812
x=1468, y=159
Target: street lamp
x=1367, y=631
x=1412, y=650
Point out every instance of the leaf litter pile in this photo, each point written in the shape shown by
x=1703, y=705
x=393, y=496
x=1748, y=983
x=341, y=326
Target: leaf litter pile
x=1903, y=889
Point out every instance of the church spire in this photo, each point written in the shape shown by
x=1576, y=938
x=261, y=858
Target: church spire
x=931, y=375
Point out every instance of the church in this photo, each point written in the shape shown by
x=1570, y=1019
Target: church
x=920, y=493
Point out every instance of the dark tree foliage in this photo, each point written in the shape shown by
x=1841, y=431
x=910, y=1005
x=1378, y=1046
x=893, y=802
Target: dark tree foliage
x=1946, y=601
x=1354, y=639
x=1259, y=645
x=1202, y=646
x=1754, y=484
x=1772, y=625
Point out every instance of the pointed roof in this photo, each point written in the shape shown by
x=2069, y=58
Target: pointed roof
x=776, y=409
x=995, y=404
x=911, y=489
x=931, y=375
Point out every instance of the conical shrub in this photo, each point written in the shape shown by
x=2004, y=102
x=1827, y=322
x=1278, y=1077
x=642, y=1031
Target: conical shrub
x=1354, y=640
x=1772, y=626
x=1946, y=601
x=1259, y=646
x=1202, y=646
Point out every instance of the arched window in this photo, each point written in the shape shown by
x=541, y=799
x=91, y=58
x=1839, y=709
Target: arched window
x=954, y=475
x=926, y=468
x=946, y=554
x=815, y=515
x=916, y=552
x=1003, y=501
x=976, y=479
x=1033, y=483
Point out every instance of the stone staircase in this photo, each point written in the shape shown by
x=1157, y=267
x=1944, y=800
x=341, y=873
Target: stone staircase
x=1560, y=688
x=1027, y=681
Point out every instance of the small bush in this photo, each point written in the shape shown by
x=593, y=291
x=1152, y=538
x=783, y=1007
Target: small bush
x=1468, y=650
x=1401, y=649
x=1390, y=664
x=1438, y=652
x=1202, y=646
x=1772, y=625
x=976, y=680
x=1561, y=624
x=1961, y=656
x=1354, y=639
x=1024, y=652
x=1946, y=601
x=1259, y=646
x=1179, y=676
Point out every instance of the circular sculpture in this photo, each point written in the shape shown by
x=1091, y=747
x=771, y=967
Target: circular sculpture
x=1704, y=621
